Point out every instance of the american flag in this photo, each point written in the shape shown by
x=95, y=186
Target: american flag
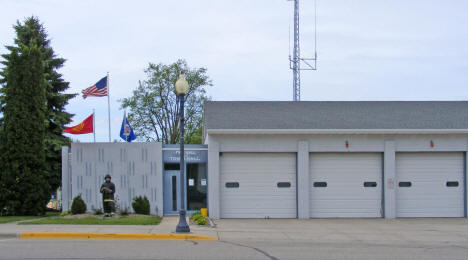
x=98, y=90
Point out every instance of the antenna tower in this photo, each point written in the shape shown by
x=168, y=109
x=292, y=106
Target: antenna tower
x=296, y=60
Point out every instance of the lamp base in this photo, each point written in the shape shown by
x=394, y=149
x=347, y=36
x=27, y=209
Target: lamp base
x=182, y=226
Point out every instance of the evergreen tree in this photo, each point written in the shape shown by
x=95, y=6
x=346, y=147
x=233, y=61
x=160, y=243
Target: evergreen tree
x=23, y=187
x=32, y=32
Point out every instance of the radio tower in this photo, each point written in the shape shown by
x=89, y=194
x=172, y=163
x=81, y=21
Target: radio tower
x=296, y=60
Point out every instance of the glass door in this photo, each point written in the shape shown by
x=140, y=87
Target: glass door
x=171, y=192
x=196, y=183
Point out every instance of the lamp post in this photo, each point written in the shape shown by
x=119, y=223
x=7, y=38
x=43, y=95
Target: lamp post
x=181, y=88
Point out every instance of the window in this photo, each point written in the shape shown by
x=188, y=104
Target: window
x=452, y=184
x=370, y=184
x=404, y=184
x=174, y=193
x=232, y=185
x=283, y=184
x=171, y=166
x=320, y=184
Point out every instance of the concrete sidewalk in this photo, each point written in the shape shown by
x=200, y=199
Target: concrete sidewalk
x=402, y=232
x=167, y=226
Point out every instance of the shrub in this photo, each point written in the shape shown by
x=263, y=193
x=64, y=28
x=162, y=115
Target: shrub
x=195, y=215
x=198, y=218
x=78, y=205
x=141, y=205
x=201, y=220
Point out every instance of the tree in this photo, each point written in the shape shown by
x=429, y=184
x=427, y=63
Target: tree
x=154, y=108
x=23, y=187
x=32, y=32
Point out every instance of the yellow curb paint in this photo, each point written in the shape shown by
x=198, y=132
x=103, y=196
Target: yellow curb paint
x=129, y=236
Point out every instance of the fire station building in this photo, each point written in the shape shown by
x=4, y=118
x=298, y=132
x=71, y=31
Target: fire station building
x=382, y=159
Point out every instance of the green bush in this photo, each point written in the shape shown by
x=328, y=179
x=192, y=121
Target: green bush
x=200, y=220
x=64, y=213
x=141, y=205
x=78, y=205
x=195, y=215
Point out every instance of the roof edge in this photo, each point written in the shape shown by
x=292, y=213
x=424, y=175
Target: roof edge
x=337, y=131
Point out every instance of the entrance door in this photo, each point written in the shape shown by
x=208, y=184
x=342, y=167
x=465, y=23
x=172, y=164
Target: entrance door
x=171, y=192
x=196, y=186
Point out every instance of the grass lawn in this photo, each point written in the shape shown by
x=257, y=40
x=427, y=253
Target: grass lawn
x=137, y=220
x=8, y=219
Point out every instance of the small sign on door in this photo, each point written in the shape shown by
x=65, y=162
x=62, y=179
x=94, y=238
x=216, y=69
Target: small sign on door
x=191, y=182
x=390, y=183
x=203, y=182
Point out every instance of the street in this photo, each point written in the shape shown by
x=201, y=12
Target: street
x=131, y=249
x=432, y=238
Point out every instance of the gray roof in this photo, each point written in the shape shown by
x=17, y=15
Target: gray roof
x=344, y=115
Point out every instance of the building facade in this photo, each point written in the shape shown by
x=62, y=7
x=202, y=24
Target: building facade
x=137, y=169
x=336, y=159
x=294, y=160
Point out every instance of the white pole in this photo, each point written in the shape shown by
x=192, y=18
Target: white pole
x=108, y=105
x=94, y=125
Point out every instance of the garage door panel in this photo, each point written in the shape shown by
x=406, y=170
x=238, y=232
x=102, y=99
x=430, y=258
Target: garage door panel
x=428, y=195
x=258, y=195
x=262, y=206
x=261, y=213
x=344, y=205
x=345, y=194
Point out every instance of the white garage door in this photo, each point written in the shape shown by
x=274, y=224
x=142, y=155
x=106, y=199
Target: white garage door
x=429, y=185
x=258, y=185
x=345, y=185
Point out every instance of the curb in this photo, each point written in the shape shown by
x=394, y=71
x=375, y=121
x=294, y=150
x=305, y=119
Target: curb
x=110, y=236
x=8, y=235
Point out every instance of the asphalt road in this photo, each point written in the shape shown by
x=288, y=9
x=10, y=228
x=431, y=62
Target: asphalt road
x=258, y=239
x=287, y=249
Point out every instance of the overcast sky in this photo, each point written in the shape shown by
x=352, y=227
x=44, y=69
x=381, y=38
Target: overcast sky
x=367, y=49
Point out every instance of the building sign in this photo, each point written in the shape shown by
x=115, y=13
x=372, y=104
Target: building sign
x=190, y=156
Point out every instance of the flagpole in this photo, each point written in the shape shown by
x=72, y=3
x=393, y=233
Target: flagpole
x=94, y=125
x=108, y=105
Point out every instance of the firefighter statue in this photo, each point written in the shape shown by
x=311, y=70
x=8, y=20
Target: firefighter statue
x=108, y=191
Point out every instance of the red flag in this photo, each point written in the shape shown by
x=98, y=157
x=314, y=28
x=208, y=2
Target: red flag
x=84, y=127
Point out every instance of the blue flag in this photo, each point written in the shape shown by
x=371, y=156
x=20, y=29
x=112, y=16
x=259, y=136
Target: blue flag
x=126, y=131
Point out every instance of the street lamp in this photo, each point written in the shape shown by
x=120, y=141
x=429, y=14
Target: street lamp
x=181, y=88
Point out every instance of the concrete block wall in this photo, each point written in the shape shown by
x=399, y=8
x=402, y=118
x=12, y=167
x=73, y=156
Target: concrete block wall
x=136, y=170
